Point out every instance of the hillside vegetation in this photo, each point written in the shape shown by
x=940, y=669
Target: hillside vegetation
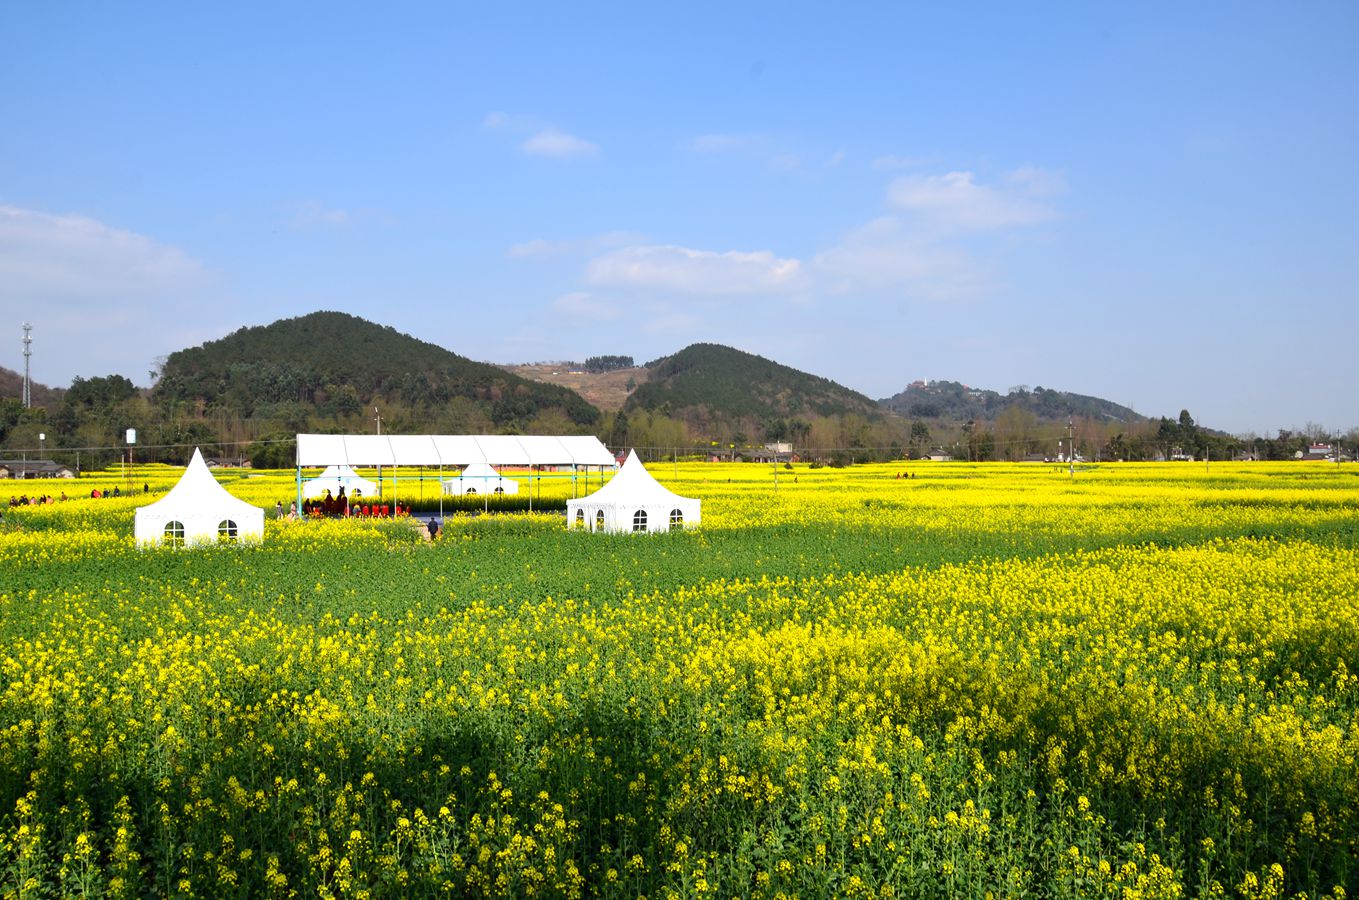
x=339, y=366
x=248, y=394
x=12, y=386
x=951, y=400
x=709, y=385
x=607, y=389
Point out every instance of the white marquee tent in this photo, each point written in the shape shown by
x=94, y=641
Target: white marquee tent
x=336, y=477
x=578, y=455
x=632, y=501
x=479, y=478
x=198, y=510
x=451, y=450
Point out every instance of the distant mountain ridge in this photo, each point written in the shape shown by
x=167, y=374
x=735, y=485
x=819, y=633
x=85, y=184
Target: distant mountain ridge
x=958, y=402
x=330, y=371
x=341, y=364
x=711, y=382
x=12, y=385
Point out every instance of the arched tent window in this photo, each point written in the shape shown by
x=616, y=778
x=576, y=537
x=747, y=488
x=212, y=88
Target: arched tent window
x=580, y=518
x=676, y=519
x=639, y=520
x=599, y=520
x=471, y=490
x=174, y=534
x=499, y=489
x=226, y=530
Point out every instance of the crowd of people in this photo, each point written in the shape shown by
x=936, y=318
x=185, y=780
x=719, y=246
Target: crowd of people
x=35, y=501
x=341, y=506
x=95, y=494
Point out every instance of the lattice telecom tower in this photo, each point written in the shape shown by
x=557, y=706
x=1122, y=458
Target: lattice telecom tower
x=28, y=351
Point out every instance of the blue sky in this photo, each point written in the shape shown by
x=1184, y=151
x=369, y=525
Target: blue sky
x=1153, y=203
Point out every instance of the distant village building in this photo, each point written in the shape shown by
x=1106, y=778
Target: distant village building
x=1317, y=451
x=771, y=455
x=34, y=468
x=227, y=462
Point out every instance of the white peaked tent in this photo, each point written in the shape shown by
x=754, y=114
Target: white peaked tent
x=480, y=478
x=336, y=477
x=198, y=510
x=632, y=501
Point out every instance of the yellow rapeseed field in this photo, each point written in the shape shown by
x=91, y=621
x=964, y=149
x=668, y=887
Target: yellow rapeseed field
x=905, y=680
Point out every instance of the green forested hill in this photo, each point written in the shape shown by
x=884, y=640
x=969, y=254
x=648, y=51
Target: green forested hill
x=338, y=365
x=12, y=387
x=958, y=402
x=708, y=383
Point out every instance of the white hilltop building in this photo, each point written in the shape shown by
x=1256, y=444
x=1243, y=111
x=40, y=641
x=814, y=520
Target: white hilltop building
x=198, y=511
x=480, y=478
x=632, y=501
x=336, y=477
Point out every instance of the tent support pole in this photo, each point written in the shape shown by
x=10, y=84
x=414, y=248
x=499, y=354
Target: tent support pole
x=299, y=488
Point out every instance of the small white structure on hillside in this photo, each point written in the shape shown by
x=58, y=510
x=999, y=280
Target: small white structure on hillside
x=336, y=477
x=198, y=510
x=632, y=501
x=480, y=478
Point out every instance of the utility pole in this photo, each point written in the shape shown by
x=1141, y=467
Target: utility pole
x=28, y=351
x=377, y=416
x=1071, y=447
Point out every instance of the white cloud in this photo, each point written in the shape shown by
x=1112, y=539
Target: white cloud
x=1037, y=182
x=785, y=164
x=835, y=160
x=540, y=248
x=722, y=143
x=893, y=163
x=315, y=215
x=581, y=305
x=885, y=254
x=671, y=324
x=535, y=248
x=543, y=138
x=101, y=299
x=956, y=201
x=498, y=121
x=557, y=144
x=697, y=272
x=78, y=260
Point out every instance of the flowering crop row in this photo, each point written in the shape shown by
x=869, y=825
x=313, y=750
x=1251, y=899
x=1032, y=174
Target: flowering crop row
x=983, y=680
